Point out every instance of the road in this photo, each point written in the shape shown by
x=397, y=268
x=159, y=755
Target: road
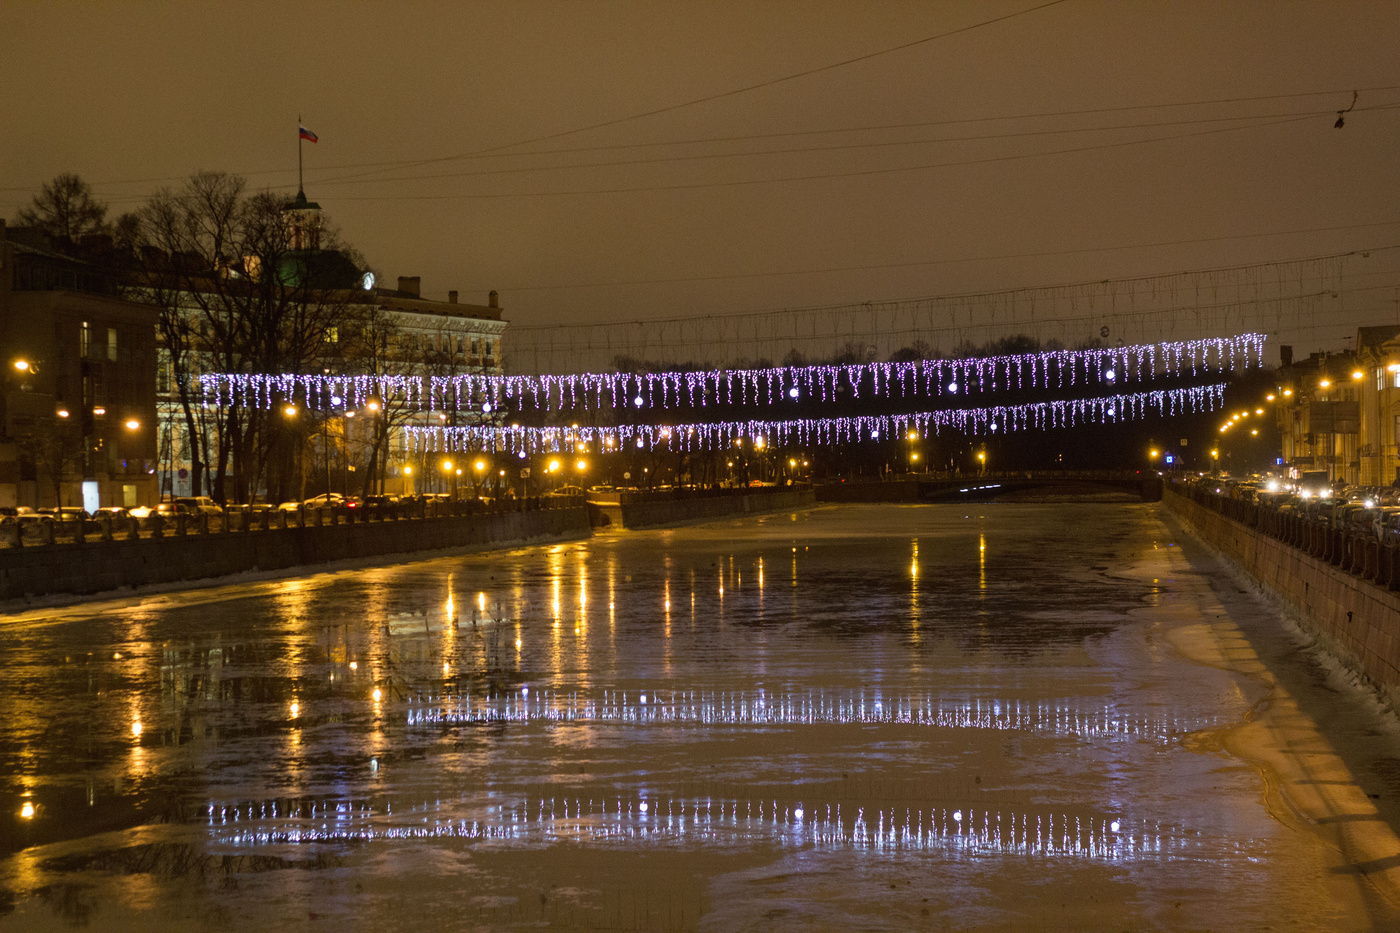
x=1001, y=717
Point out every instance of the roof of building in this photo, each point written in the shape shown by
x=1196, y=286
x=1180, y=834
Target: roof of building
x=1376, y=336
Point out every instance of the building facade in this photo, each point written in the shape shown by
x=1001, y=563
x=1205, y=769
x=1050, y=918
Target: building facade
x=78, y=426
x=1340, y=412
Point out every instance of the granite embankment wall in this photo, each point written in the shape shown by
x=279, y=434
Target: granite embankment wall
x=101, y=566
x=1360, y=620
x=654, y=511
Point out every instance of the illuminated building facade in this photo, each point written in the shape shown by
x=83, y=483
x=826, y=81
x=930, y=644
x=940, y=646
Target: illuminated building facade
x=78, y=426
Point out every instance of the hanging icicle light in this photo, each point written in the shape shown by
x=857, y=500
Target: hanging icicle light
x=1047, y=369
x=1061, y=413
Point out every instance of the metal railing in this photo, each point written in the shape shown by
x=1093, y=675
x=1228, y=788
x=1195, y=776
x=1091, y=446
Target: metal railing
x=1357, y=549
x=44, y=530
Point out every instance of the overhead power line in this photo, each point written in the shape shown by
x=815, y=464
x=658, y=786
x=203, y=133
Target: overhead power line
x=823, y=176
x=943, y=262
x=838, y=147
x=734, y=92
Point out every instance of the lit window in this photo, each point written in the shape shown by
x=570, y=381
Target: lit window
x=112, y=344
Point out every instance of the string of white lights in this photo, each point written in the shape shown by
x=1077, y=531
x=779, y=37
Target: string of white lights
x=1063, y=413
x=937, y=378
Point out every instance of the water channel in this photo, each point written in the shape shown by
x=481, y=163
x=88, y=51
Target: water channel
x=1028, y=716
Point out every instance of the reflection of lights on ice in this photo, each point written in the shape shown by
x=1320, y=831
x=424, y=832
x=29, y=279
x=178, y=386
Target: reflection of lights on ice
x=838, y=824
x=27, y=811
x=377, y=695
x=742, y=708
x=374, y=764
x=136, y=727
x=295, y=709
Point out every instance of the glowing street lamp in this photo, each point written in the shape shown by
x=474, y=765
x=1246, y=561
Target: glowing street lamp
x=133, y=425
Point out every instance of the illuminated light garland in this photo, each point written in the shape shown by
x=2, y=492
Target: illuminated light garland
x=1049, y=369
x=1067, y=413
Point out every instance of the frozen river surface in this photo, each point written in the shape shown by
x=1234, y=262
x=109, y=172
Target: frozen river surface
x=1018, y=717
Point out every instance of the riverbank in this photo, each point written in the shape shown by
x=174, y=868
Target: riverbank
x=107, y=567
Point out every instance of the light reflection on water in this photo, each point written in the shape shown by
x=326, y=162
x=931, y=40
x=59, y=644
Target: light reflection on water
x=817, y=706
x=1002, y=686
x=811, y=823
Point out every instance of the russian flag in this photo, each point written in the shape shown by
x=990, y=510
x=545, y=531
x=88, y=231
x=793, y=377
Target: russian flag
x=307, y=134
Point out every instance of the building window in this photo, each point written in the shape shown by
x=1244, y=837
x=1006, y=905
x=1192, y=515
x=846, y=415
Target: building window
x=112, y=344
x=84, y=340
x=488, y=348
x=163, y=371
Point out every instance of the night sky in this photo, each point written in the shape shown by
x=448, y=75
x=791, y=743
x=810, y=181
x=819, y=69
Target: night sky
x=835, y=152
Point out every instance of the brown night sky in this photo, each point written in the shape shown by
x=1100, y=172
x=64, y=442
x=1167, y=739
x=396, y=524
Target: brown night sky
x=446, y=148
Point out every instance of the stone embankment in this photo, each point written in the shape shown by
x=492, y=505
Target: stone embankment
x=103, y=561
x=1328, y=576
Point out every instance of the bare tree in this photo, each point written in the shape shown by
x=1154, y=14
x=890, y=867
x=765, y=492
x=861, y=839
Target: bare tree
x=65, y=210
x=54, y=446
x=242, y=290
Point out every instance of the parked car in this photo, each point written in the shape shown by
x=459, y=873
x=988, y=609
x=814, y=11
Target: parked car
x=112, y=511
x=23, y=515
x=332, y=499
x=67, y=513
x=566, y=491
x=166, y=510
x=198, y=504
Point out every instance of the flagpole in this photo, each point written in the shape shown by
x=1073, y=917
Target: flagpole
x=299, y=184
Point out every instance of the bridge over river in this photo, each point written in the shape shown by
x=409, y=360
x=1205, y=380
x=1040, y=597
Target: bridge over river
x=1063, y=485
x=1052, y=716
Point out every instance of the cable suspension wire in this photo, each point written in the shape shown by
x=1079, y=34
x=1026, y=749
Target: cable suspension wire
x=1263, y=298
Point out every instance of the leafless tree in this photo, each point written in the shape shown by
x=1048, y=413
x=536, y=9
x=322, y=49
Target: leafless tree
x=241, y=290
x=65, y=210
